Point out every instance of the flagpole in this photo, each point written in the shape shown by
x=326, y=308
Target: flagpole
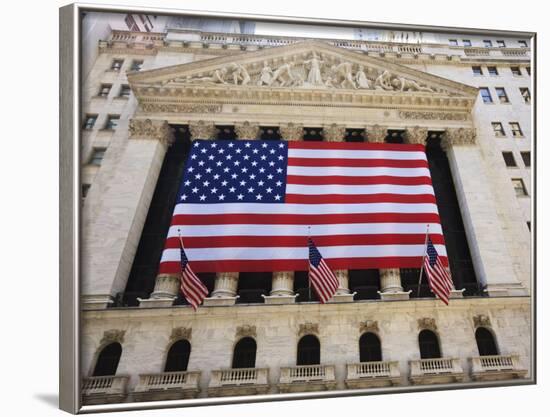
x=423, y=257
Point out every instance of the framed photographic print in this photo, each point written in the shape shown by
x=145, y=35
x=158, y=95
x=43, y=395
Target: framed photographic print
x=258, y=208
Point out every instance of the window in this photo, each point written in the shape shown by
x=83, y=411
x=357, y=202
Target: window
x=485, y=342
x=529, y=225
x=124, y=91
x=488, y=43
x=516, y=71
x=112, y=122
x=104, y=90
x=252, y=286
x=428, y=344
x=244, y=354
x=365, y=283
x=501, y=44
x=501, y=94
x=525, y=94
x=528, y=70
x=85, y=189
x=467, y=42
x=485, y=95
x=136, y=65
x=526, y=156
x=116, y=65
x=453, y=42
x=492, y=70
x=519, y=187
x=477, y=70
x=309, y=351
x=107, y=360
x=97, y=156
x=89, y=121
x=369, y=348
x=509, y=159
x=516, y=130
x=523, y=44
x=498, y=129
x=178, y=356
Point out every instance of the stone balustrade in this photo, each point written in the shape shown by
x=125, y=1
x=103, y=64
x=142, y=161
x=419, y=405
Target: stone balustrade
x=307, y=378
x=239, y=381
x=372, y=374
x=167, y=386
x=496, y=367
x=436, y=370
x=104, y=389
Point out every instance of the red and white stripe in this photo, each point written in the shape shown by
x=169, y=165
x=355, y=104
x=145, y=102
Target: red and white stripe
x=192, y=288
x=323, y=281
x=367, y=204
x=439, y=279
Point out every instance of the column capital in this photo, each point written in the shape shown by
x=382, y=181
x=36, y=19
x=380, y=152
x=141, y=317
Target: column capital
x=377, y=133
x=292, y=131
x=458, y=136
x=225, y=289
x=334, y=132
x=151, y=129
x=166, y=291
x=247, y=130
x=390, y=285
x=202, y=130
x=416, y=135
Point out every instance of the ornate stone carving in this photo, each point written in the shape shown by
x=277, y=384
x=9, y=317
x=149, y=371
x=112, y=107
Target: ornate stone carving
x=369, y=326
x=181, y=108
x=406, y=84
x=246, y=331
x=308, y=328
x=247, y=130
x=334, y=133
x=481, y=320
x=433, y=115
x=416, y=135
x=377, y=133
x=427, y=323
x=202, y=130
x=458, y=137
x=179, y=333
x=111, y=336
x=151, y=129
x=292, y=131
x=314, y=75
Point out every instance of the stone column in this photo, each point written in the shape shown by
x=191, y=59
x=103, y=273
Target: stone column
x=334, y=133
x=416, y=135
x=113, y=217
x=225, y=289
x=480, y=215
x=202, y=130
x=282, y=288
x=292, y=132
x=376, y=133
x=247, y=130
x=390, y=285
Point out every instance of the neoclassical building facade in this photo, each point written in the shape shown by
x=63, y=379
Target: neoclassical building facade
x=149, y=95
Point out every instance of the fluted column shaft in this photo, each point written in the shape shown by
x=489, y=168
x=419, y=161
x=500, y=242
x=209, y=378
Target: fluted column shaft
x=390, y=281
x=226, y=284
x=343, y=279
x=282, y=283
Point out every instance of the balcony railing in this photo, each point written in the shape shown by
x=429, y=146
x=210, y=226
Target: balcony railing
x=427, y=371
x=242, y=381
x=168, y=380
x=104, y=389
x=307, y=378
x=496, y=367
x=372, y=374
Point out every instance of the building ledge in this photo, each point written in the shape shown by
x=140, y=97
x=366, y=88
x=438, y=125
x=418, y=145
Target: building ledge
x=372, y=374
x=305, y=378
x=167, y=386
x=436, y=371
x=496, y=368
x=104, y=389
x=240, y=381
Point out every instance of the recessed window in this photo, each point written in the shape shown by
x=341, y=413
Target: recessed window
x=112, y=121
x=509, y=159
x=477, y=70
x=516, y=130
x=501, y=94
x=466, y=42
x=136, y=65
x=104, y=90
x=89, y=121
x=488, y=43
x=529, y=225
x=124, y=91
x=116, y=65
x=526, y=157
x=85, y=189
x=97, y=156
x=498, y=129
x=486, y=95
x=515, y=71
x=526, y=94
x=522, y=44
x=492, y=70
x=501, y=44
x=528, y=70
x=519, y=187
x=453, y=42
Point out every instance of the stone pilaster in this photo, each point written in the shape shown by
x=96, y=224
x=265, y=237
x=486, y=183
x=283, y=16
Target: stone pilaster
x=282, y=288
x=202, y=130
x=390, y=285
x=292, y=132
x=334, y=133
x=225, y=289
x=247, y=130
x=416, y=135
x=377, y=133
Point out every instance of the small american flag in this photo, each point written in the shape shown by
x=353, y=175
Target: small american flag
x=322, y=279
x=191, y=287
x=439, y=277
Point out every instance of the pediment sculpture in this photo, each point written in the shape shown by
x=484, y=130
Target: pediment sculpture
x=315, y=71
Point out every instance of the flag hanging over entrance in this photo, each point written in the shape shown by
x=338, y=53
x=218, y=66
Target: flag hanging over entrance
x=439, y=278
x=246, y=205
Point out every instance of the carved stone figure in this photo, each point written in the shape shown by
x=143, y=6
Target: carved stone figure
x=239, y=74
x=361, y=78
x=283, y=75
x=342, y=75
x=329, y=82
x=404, y=84
x=383, y=81
x=314, y=74
x=265, y=75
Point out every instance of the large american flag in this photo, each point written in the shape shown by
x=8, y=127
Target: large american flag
x=322, y=279
x=439, y=277
x=247, y=205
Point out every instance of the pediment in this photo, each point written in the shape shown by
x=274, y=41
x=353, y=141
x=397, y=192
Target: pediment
x=301, y=71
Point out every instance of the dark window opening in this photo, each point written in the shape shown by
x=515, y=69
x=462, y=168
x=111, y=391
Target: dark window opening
x=226, y=133
x=509, y=159
x=313, y=134
x=252, y=285
x=270, y=133
x=395, y=136
x=244, y=354
x=302, y=287
x=409, y=282
x=526, y=156
x=429, y=345
x=178, y=356
x=486, y=344
x=354, y=135
x=107, y=360
x=309, y=351
x=85, y=189
x=364, y=282
x=370, y=349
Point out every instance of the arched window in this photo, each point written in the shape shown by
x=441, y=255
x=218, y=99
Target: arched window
x=309, y=351
x=485, y=342
x=429, y=345
x=107, y=360
x=244, y=354
x=178, y=356
x=369, y=348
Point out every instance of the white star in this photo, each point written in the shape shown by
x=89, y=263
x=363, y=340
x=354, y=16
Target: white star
x=232, y=189
x=203, y=197
x=226, y=169
x=279, y=183
x=208, y=170
x=201, y=163
x=231, y=144
x=203, y=150
x=270, y=177
x=277, y=197
x=262, y=170
x=184, y=197
x=271, y=163
x=258, y=197
x=224, y=183
x=238, y=150
x=255, y=151
x=260, y=183
x=219, y=163
x=264, y=145
x=251, y=190
x=236, y=163
x=206, y=183
x=214, y=190
x=196, y=144
x=240, y=197
x=252, y=176
x=190, y=169
x=213, y=144
x=220, y=150
x=281, y=145
x=228, y=157
x=281, y=157
x=246, y=157
x=195, y=190
x=254, y=163
x=193, y=156
x=263, y=157
x=187, y=182
x=269, y=190
x=272, y=151
x=221, y=197
x=211, y=157
x=217, y=176
x=234, y=176
x=245, y=169
x=198, y=176
x=243, y=183
x=279, y=170
x=247, y=144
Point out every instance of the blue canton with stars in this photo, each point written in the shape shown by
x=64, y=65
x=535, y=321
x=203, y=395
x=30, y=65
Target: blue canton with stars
x=235, y=171
x=431, y=252
x=314, y=254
